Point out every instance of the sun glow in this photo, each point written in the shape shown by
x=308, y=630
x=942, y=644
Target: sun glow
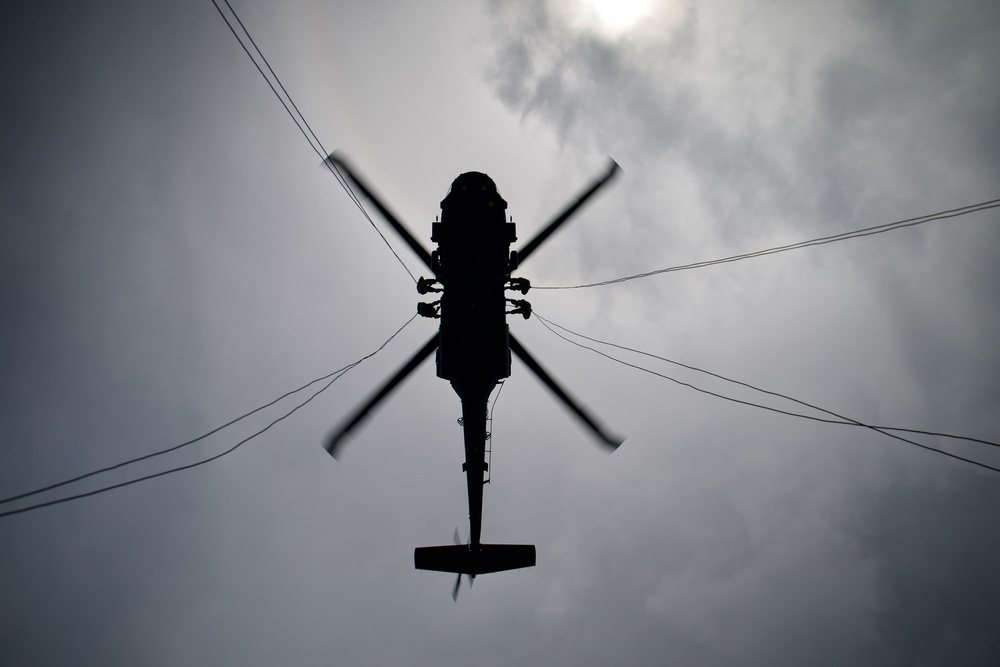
x=617, y=16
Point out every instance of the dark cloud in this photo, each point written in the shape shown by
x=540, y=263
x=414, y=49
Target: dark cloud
x=941, y=587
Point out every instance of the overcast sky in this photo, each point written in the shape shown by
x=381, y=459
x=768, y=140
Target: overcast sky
x=172, y=256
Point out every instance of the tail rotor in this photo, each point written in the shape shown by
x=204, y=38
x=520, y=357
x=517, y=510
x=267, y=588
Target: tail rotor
x=458, y=579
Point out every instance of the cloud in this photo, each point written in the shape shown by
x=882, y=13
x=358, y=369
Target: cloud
x=747, y=123
x=781, y=109
x=174, y=257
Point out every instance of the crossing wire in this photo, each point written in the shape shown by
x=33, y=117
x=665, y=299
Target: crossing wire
x=335, y=375
x=313, y=140
x=839, y=419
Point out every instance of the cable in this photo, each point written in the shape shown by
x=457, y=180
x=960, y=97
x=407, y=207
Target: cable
x=338, y=374
x=847, y=421
x=857, y=233
x=840, y=419
x=321, y=151
x=489, y=420
x=496, y=398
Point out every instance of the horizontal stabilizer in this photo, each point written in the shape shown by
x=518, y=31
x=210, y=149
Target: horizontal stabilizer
x=463, y=559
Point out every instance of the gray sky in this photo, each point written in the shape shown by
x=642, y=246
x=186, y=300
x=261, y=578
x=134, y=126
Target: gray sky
x=171, y=256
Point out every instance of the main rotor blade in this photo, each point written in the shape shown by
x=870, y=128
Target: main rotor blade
x=518, y=349
x=340, y=164
x=336, y=439
x=533, y=244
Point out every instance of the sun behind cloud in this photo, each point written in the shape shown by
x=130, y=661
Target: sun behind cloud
x=616, y=16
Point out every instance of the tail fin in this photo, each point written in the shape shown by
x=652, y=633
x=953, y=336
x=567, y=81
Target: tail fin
x=464, y=559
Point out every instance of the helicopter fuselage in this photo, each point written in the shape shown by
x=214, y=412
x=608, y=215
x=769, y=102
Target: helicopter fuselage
x=472, y=270
x=472, y=263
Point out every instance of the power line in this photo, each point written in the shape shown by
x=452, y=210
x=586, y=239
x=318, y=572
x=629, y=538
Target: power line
x=335, y=375
x=312, y=137
x=840, y=419
x=175, y=447
x=847, y=422
x=314, y=143
x=204, y=435
x=857, y=233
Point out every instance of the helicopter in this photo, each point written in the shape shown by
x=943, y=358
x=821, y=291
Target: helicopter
x=472, y=269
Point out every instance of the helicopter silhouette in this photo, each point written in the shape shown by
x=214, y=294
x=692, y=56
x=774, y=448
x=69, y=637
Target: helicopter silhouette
x=472, y=269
